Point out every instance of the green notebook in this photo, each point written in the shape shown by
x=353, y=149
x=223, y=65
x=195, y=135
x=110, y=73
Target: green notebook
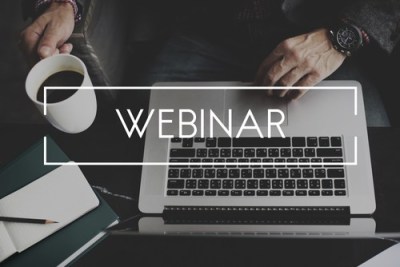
x=59, y=246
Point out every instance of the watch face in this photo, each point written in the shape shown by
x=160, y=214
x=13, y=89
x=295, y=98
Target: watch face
x=348, y=38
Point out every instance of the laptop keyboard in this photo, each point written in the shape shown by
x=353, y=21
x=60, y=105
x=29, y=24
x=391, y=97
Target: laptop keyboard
x=293, y=166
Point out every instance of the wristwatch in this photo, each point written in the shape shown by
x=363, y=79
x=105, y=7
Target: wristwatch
x=347, y=38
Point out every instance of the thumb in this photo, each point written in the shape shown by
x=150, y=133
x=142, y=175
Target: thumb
x=49, y=42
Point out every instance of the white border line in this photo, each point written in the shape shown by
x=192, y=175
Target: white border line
x=46, y=163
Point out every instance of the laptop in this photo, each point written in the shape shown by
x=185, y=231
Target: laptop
x=309, y=159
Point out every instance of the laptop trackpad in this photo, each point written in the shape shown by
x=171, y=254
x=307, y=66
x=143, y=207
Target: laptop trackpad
x=241, y=101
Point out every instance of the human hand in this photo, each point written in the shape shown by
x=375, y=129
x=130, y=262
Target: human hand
x=304, y=60
x=48, y=34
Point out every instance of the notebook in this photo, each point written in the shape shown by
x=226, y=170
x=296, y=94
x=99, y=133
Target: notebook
x=62, y=195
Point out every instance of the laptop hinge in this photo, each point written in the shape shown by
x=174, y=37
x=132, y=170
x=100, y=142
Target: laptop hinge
x=268, y=214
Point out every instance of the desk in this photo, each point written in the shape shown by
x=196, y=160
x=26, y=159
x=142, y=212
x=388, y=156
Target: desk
x=120, y=188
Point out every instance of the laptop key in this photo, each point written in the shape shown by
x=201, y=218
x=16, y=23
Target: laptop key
x=255, y=161
x=234, y=173
x=336, y=141
x=273, y=152
x=226, y=153
x=268, y=163
x=172, y=192
x=173, y=173
x=243, y=161
x=270, y=173
x=213, y=153
x=224, y=142
x=187, y=142
x=329, y=152
x=262, y=193
x=176, y=184
x=203, y=184
x=185, y=173
x=197, y=192
x=340, y=184
x=174, y=160
x=176, y=140
x=237, y=152
x=191, y=184
x=259, y=173
x=301, y=193
x=275, y=193
x=249, y=193
x=195, y=161
x=312, y=141
x=324, y=141
x=298, y=141
x=209, y=173
x=252, y=184
x=333, y=160
x=309, y=152
x=308, y=173
x=295, y=173
x=280, y=163
x=261, y=142
x=340, y=192
x=316, y=160
x=327, y=184
x=292, y=161
x=327, y=192
x=314, y=193
x=223, y=192
x=302, y=184
x=231, y=161
x=219, y=161
x=215, y=184
x=211, y=142
x=184, y=192
x=298, y=152
x=320, y=173
x=261, y=152
x=211, y=192
x=240, y=184
x=303, y=163
x=249, y=152
x=290, y=184
x=265, y=184
x=227, y=184
x=336, y=173
x=247, y=173
x=182, y=153
x=288, y=193
x=199, y=140
x=283, y=173
x=277, y=184
x=236, y=193
x=201, y=153
x=197, y=173
x=315, y=184
x=222, y=173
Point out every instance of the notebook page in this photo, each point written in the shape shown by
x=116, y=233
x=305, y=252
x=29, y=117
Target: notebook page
x=7, y=247
x=62, y=195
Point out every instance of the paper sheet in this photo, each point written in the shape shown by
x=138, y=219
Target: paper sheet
x=62, y=195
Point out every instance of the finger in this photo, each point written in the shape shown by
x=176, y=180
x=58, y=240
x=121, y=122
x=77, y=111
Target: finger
x=29, y=39
x=278, y=70
x=52, y=38
x=66, y=48
x=275, y=56
x=308, y=80
x=292, y=77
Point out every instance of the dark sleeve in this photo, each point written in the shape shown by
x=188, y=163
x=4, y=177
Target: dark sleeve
x=28, y=10
x=379, y=18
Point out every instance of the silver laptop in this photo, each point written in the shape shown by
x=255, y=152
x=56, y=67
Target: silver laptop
x=322, y=165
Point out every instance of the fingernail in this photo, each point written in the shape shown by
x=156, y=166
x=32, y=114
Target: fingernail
x=45, y=51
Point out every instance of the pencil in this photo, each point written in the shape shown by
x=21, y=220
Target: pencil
x=26, y=220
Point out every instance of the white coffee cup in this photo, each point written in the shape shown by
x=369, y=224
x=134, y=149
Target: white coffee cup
x=74, y=114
